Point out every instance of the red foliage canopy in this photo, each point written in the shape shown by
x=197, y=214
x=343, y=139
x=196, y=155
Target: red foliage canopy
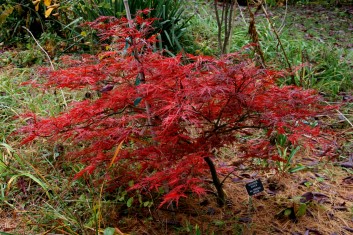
x=169, y=113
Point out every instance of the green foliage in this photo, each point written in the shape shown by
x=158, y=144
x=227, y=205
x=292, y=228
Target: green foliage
x=298, y=209
x=54, y=28
x=18, y=13
x=57, y=29
x=21, y=59
x=6, y=10
x=319, y=60
x=286, y=153
x=202, y=32
x=171, y=23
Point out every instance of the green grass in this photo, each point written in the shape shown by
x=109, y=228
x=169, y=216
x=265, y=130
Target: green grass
x=30, y=178
x=318, y=49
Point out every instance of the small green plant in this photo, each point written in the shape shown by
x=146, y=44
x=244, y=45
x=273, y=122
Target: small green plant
x=286, y=154
x=295, y=211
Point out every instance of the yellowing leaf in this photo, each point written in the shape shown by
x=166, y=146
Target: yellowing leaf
x=47, y=2
x=36, y=4
x=8, y=11
x=116, y=153
x=48, y=12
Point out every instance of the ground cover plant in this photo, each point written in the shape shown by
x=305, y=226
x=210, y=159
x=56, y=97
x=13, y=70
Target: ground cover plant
x=303, y=193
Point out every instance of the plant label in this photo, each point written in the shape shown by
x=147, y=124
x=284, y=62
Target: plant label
x=254, y=187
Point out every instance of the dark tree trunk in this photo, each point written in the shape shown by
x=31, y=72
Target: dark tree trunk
x=217, y=183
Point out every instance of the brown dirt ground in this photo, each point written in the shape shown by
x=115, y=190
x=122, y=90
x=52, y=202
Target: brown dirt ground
x=11, y=222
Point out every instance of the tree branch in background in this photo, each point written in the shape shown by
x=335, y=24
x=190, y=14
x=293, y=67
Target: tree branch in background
x=225, y=18
x=51, y=64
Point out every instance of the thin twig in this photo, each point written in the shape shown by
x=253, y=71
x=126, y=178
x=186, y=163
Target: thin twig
x=226, y=18
x=219, y=25
x=241, y=12
x=51, y=64
x=280, y=43
x=342, y=115
x=350, y=123
x=231, y=20
x=228, y=175
x=284, y=18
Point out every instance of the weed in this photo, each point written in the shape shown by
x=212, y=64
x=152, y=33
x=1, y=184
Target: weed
x=286, y=153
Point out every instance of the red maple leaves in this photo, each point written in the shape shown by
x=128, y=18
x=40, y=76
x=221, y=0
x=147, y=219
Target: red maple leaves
x=169, y=119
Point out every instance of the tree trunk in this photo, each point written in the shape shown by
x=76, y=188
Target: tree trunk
x=216, y=182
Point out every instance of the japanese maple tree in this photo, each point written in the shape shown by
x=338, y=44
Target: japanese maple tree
x=159, y=120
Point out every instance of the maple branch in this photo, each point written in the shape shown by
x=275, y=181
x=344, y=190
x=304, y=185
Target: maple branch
x=203, y=116
x=141, y=74
x=221, y=112
x=86, y=124
x=242, y=127
x=228, y=175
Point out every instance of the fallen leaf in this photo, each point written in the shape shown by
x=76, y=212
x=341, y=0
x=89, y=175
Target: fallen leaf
x=245, y=220
x=320, y=197
x=348, y=180
x=47, y=2
x=48, y=12
x=346, y=164
x=348, y=229
x=307, y=197
x=107, y=88
x=314, y=231
x=340, y=208
x=310, y=196
x=211, y=211
x=321, y=176
x=245, y=175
